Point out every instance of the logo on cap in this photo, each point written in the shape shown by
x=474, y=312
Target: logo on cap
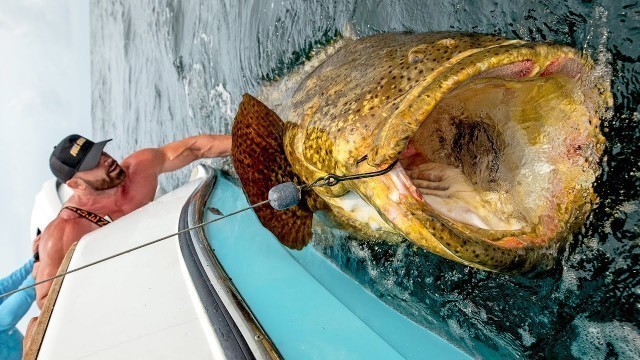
x=76, y=147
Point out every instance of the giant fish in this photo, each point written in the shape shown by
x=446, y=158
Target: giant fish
x=496, y=145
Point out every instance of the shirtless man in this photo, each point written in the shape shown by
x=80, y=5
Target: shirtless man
x=104, y=190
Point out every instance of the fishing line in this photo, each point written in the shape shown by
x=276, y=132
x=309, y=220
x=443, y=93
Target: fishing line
x=286, y=195
x=134, y=248
x=281, y=197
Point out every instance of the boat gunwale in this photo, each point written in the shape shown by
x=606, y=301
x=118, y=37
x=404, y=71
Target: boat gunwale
x=228, y=312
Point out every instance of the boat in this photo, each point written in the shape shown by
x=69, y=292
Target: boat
x=227, y=289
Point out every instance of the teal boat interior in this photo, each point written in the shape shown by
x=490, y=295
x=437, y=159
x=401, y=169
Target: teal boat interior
x=265, y=300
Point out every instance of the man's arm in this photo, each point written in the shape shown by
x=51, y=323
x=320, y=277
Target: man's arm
x=48, y=268
x=178, y=154
x=56, y=240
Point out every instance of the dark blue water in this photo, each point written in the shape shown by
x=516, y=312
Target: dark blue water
x=162, y=70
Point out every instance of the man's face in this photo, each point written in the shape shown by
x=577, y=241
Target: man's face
x=106, y=175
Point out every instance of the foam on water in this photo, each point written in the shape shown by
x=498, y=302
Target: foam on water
x=527, y=338
x=602, y=340
x=222, y=99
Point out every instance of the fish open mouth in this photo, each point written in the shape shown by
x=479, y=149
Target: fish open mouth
x=498, y=151
x=497, y=143
x=508, y=150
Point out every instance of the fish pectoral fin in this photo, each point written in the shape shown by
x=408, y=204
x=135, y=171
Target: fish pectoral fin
x=260, y=161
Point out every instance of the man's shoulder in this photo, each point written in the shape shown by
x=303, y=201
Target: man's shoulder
x=144, y=156
x=66, y=226
x=59, y=222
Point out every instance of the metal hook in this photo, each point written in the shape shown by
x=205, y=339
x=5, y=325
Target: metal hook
x=333, y=179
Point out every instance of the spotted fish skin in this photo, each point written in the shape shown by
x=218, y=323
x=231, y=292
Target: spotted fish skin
x=371, y=97
x=385, y=85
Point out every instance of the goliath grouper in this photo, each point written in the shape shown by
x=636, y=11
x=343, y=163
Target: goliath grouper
x=497, y=142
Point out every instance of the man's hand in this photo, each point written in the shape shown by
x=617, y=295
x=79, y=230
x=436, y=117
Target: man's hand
x=35, y=245
x=440, y=180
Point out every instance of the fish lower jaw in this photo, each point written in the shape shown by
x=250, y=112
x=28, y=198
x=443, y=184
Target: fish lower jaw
x=471, y=210
x=353, y=206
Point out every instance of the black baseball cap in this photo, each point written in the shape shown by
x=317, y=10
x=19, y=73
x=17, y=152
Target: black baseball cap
x=75, y=153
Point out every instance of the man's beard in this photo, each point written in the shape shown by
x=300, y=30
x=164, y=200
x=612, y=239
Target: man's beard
x=109, y=183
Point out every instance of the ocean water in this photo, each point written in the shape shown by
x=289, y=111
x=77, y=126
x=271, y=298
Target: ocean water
x=163, y=70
